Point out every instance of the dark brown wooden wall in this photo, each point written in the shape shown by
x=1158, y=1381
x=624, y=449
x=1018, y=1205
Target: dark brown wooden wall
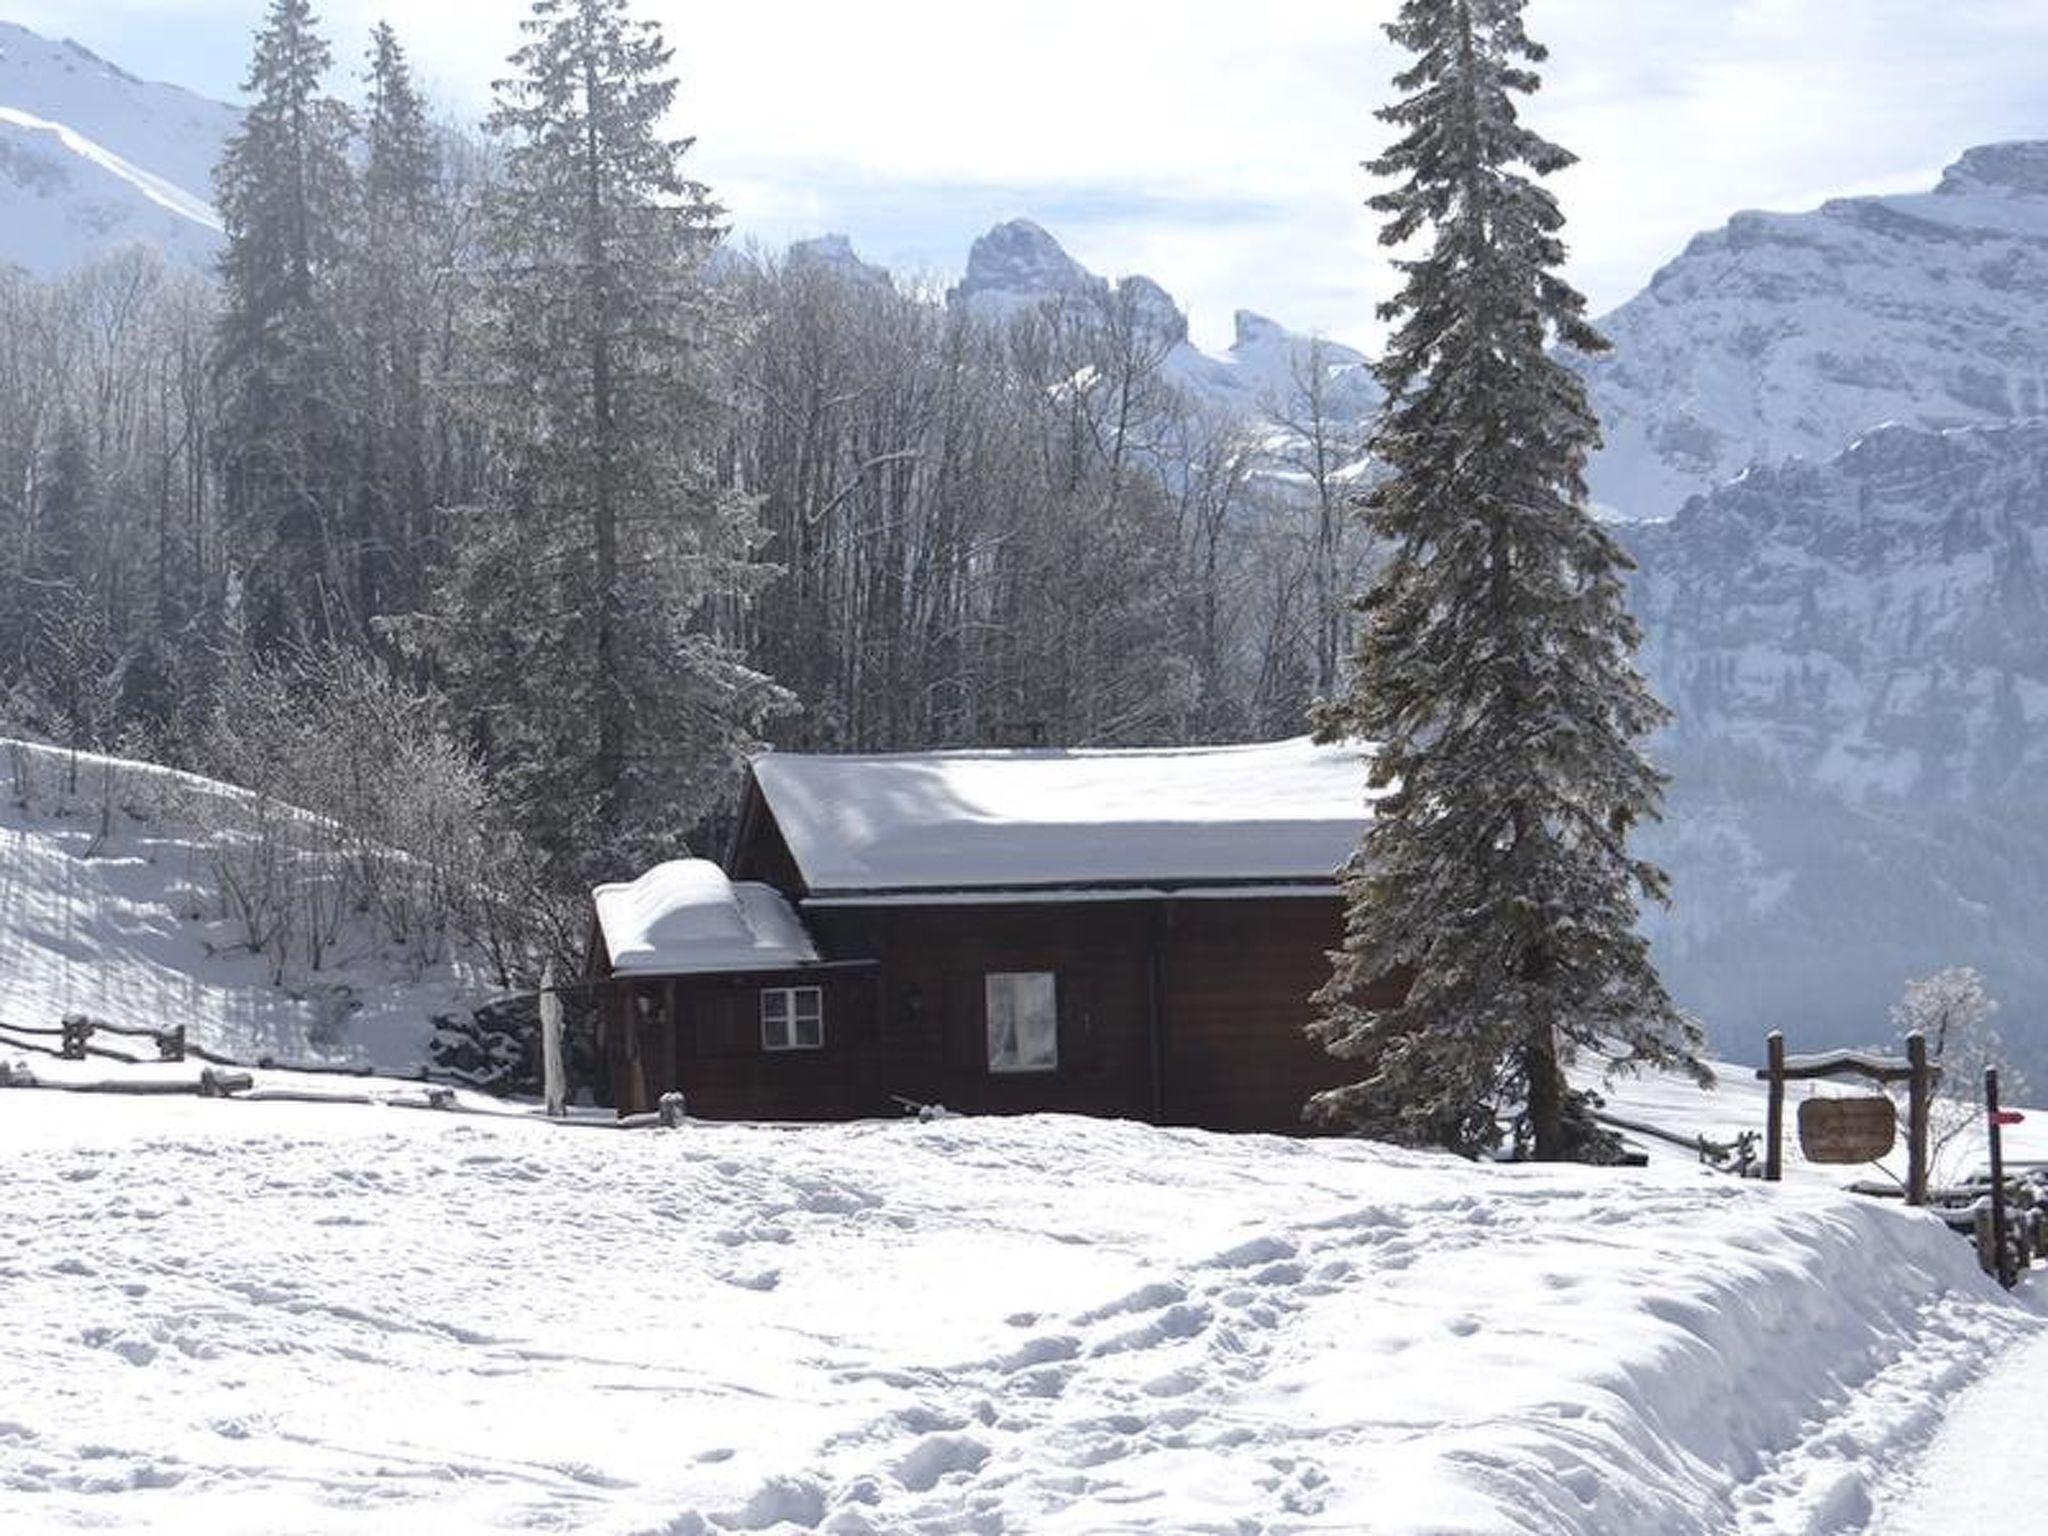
x=1232, y=979
x=933, y=1030
x=1238, y=977
x=704, y=1039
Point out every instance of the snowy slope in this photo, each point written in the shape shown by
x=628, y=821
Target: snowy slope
x=110, y=906
x=92, y=158
x=1038, y=1324
x=1791, y=334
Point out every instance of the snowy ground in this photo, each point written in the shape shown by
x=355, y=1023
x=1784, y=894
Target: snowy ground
x=268, y=1317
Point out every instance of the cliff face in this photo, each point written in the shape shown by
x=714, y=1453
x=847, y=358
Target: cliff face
x=1858, y=653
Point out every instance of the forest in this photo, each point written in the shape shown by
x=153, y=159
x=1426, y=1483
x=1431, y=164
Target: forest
x=493, y=499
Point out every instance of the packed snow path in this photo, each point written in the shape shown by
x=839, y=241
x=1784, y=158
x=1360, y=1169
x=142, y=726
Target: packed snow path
x=265, y=1317
x=1985, y=1472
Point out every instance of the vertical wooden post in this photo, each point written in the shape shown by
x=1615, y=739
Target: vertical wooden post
x=1774, y=1131
x=1917, y=1095
x=2006, y=1276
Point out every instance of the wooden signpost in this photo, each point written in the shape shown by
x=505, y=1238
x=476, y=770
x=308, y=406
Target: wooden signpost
x=1848, y=1130
x=1851, y=1130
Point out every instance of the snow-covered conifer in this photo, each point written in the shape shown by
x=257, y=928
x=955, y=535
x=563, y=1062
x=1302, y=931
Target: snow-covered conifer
x=286, y=190
x=397, y=265
x=592, y=597
x=1495, y=657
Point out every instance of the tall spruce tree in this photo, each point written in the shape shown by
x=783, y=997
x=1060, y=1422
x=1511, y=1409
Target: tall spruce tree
x=587, y=618
x=286, y=190
x=1495, y=660
x=395, y=267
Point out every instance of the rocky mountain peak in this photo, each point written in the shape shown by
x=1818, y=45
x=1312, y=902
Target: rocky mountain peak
x=2017, y=167
x=1153, y=309
x=1018, y=259
x=1254, y=330
x=835, y=254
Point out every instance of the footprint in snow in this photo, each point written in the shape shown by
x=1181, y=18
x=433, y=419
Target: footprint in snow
x=779, y=1501
x=939, y=1456
x=1260, y=1250
x=1048, y=1349
x=1182, y=1321
x=1146, y=1298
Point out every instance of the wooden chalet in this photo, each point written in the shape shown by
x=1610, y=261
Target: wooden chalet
x=1124, y=933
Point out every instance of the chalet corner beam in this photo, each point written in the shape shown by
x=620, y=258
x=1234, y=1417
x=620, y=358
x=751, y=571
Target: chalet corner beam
x=1919, y=1075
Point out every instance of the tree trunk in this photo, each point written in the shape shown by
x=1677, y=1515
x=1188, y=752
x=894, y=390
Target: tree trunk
x=1546, y=1096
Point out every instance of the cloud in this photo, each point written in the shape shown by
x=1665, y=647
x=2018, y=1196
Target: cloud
x=1215, y=144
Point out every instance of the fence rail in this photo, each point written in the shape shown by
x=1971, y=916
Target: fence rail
x=228, y=1077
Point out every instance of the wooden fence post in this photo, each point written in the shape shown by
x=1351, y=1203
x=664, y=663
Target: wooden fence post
x=2007, y=1276
x=1917, y=1095
x=1774, y=1130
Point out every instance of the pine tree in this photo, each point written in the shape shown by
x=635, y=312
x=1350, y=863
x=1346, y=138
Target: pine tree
x=586, y=614
x=1494, y=666
x=286, y=191
x=66, y=664
x=395, y=265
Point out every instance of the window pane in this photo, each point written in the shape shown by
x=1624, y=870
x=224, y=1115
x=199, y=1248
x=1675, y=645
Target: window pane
x=808, y=1016
x=775, y=1019
x=774, y=1004
x=1023, y=1022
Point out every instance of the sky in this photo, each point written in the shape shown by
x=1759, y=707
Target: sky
x=1214, y=145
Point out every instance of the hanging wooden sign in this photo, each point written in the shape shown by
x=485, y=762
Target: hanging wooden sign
x=1858, y=1130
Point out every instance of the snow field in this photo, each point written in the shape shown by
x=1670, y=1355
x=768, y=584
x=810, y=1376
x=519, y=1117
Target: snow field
x=264, y=1317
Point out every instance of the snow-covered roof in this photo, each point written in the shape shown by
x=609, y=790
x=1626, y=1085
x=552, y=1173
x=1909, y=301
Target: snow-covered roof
x=685, y=917
x=1285, y=811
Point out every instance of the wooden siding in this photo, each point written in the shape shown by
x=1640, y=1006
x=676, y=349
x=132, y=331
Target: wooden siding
x=701, y=1036
x=933, y=1029
x=1238, y=976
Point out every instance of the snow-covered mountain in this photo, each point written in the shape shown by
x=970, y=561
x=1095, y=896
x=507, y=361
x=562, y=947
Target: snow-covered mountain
x=92, y=158
x=1790, y=334
x=1858, y=653
x=1018, y=267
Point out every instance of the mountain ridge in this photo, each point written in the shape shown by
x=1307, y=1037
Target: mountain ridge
x=1783, y=335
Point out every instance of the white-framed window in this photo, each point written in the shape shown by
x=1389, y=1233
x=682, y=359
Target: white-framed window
x=1023, y=1022
x=792, y=1018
